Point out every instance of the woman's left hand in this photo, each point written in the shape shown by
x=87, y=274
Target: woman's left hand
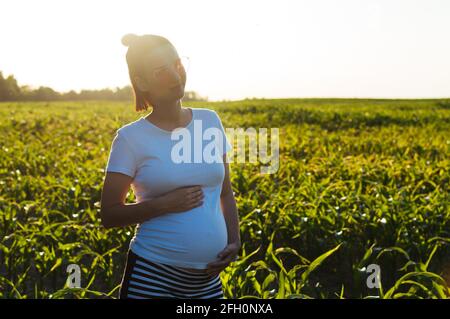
x=225, y=257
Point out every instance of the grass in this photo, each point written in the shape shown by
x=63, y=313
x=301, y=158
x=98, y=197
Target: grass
x=360, y=182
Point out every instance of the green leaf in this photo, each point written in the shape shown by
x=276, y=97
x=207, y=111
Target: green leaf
x=318, y=261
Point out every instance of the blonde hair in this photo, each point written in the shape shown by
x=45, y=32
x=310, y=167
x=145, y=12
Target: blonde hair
x=138, y=48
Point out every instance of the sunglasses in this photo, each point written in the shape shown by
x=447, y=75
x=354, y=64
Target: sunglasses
x=180, y=65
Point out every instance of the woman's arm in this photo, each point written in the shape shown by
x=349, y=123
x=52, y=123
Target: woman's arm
x=115, y=213
x=229, y=208
x=230, y=212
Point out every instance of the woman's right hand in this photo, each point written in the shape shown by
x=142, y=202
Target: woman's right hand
x=182, y=199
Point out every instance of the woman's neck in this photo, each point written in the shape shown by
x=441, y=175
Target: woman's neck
x=168, y=113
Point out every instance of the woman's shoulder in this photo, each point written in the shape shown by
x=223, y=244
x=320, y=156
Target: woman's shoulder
x=131, y=128
x=205, y=113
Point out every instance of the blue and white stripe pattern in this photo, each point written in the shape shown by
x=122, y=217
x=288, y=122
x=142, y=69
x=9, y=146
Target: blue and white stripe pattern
x=144, y=279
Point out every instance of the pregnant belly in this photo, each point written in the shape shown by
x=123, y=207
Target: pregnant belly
x=193, y=237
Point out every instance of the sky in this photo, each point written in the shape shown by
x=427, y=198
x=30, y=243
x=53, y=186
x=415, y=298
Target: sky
x=238, y=49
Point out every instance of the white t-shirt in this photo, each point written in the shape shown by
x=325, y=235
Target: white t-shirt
x=148, y=153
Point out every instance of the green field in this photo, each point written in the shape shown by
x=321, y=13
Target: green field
x=360, y=182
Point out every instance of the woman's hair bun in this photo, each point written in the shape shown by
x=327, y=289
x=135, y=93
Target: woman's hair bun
x=129, y=38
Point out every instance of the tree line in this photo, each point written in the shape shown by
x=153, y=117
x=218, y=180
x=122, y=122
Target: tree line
x=10, y=90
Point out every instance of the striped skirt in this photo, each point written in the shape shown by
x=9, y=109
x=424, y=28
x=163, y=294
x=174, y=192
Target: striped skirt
x=144, y=279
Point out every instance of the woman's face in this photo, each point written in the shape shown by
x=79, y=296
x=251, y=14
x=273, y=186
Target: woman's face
x=164, y=77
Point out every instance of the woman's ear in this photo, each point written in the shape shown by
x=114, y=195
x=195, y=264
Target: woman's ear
x=141, y=84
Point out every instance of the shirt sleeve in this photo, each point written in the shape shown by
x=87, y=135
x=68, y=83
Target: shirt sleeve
x=225, y=142
x=121, y=157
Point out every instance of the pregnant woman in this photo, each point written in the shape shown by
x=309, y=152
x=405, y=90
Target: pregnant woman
x=187, y=223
